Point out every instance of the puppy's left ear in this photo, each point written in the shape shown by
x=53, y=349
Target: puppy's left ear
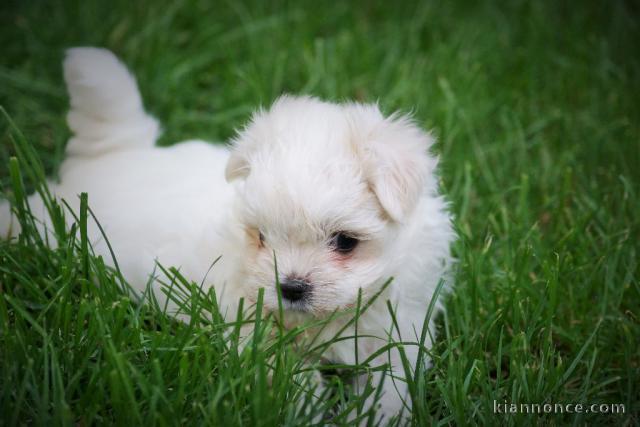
x=395, y=158
x=245, y=145
x=237, y=166
x=242, y=148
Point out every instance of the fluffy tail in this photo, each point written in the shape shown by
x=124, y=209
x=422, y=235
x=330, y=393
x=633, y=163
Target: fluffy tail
x=106, y=108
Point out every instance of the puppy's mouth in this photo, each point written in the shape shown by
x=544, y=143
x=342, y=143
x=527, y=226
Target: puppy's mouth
x=297, y=306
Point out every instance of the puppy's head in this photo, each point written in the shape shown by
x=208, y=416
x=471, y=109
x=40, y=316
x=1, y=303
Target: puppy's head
x=324, y=192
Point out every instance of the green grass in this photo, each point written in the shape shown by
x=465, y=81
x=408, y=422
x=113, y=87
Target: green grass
x=536, y=107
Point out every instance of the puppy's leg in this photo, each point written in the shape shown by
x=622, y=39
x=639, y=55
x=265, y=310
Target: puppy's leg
x=9, y=226
x=392, y=401
x=106, y=108
x=395, y=397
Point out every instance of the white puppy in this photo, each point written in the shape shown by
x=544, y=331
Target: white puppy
x=344, y=197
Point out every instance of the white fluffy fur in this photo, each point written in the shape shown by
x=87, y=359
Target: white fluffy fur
x=297, y=173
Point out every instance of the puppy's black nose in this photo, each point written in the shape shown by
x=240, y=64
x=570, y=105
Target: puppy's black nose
x=294, y=290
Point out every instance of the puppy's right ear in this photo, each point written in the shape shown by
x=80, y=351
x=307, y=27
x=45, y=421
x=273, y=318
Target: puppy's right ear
x=395, y=158
x=237, y=166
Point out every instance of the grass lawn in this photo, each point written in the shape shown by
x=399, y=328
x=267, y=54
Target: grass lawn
x=536, y=106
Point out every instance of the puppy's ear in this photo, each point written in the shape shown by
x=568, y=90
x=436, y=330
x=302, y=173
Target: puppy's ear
x=237, y=166
x=395, y=158
x=245, y=145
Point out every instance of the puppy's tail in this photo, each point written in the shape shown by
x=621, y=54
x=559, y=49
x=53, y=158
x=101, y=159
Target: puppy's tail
x=106, y=109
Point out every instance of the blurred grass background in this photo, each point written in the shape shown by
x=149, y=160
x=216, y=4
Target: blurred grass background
x=536, y=108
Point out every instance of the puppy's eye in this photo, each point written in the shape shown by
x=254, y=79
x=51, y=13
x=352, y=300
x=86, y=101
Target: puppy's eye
x=343, y=243
x=261, y=238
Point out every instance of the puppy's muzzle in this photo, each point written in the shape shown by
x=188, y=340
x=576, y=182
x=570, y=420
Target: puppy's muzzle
x=295, y=290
